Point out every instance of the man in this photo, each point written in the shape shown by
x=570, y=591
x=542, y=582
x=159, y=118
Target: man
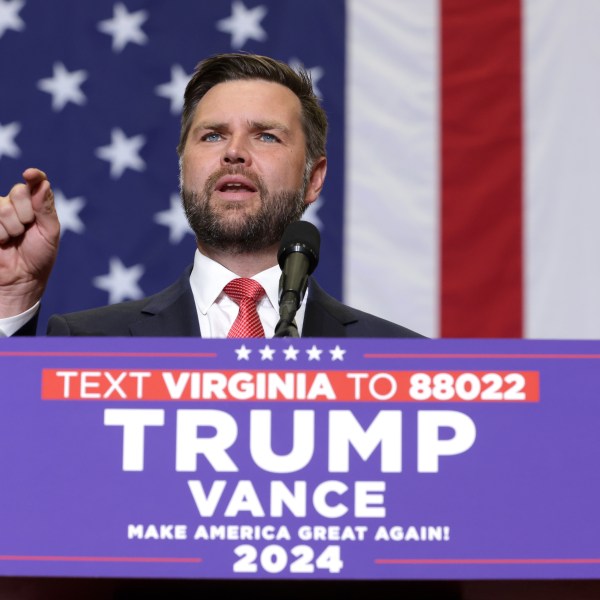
x=252, y=158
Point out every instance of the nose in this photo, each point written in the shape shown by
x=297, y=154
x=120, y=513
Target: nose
x=235, y=153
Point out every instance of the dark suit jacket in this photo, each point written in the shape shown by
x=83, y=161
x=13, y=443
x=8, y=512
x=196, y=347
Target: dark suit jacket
x=172, y=313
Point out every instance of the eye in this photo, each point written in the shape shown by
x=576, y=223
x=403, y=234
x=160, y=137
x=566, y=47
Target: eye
x=211, y=137
x=268, y=137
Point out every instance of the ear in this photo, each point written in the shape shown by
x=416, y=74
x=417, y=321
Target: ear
x=316, y=181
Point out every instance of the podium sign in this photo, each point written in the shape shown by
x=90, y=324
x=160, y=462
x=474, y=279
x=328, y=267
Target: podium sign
x=299, y=459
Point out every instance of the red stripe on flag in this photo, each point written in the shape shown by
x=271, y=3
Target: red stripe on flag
x=481, y=162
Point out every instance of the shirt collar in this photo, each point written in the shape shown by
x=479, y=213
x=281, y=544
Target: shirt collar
x=208, y=278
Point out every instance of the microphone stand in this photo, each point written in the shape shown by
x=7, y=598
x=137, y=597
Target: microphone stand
x=288, y=306
x=284, y=330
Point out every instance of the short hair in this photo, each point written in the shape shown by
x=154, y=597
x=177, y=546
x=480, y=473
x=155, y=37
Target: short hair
x=221, y=68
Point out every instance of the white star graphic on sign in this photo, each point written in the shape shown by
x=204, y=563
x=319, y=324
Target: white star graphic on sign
x=174, y=89
x=337, y=353
x=120, y=282
x=243, y=353
x=315, y=73
x=243, y=24
x=68, y=213
x=122, y=153
x=64, y=86
x=124, y=27
x=311, y=213
x=174, y=218
x=291, y=353
x=314, y=353
x=9, y=15
x=7, y=140
x=267, y=353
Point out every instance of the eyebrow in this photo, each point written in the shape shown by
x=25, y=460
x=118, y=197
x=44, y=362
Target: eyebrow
x=264, y=125
x=254, y=125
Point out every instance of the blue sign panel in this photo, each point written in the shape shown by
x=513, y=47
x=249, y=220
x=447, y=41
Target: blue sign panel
x=299, y=459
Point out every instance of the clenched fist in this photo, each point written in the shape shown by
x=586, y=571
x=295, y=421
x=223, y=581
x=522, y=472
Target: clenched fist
x=29, y=236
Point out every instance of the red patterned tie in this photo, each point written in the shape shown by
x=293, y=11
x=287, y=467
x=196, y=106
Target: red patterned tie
x=246, y=293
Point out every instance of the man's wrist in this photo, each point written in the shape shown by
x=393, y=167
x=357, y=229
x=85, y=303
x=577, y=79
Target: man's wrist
x=18, y=299
x=10, y=325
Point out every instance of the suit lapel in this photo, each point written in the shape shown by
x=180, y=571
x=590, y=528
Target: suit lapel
x=171, y=312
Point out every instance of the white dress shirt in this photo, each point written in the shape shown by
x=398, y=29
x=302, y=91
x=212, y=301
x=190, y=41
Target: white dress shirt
x=217, y=312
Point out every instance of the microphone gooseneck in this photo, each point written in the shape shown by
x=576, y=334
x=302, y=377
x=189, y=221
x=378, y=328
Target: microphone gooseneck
x=298, y=257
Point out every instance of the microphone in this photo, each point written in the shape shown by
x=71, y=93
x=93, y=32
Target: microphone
x=298, y=257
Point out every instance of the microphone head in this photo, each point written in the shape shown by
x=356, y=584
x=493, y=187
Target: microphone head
x=300, y=236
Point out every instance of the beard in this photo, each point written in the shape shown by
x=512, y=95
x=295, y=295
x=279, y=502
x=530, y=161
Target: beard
x=228, y=227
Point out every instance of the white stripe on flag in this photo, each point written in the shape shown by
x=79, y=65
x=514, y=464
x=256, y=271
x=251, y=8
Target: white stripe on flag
x=391, y=247
x=562, y=157
x=392, y=165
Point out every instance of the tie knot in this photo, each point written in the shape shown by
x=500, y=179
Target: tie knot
x=244, y=289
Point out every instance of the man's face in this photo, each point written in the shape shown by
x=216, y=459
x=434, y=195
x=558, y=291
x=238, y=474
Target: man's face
x=243, y=166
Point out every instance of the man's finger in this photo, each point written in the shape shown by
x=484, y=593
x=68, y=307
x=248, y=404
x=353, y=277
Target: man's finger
x=42, y=197
x=34, y=177
x=42, y=203
x=21, y=201
x=16, y=212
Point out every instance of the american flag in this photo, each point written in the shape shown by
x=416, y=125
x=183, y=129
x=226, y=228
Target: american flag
x=462, y=197
x=95, y=101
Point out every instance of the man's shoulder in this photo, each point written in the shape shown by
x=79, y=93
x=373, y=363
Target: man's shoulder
x=373, y=326
x=169, y=312
x=328, y=317
x=111, y=320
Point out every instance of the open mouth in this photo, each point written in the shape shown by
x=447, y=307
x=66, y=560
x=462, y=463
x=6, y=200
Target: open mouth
x=235, y=185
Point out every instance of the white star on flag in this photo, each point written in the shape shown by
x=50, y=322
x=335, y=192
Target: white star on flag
x=8, y=147
x=291, y=353
x=314, y=353
x=244, y=24
x=9, y=15
x=122, y=153
x=174, y=89
x=337, y=353
x=124, y=27
x=120, y=282
x=174, y=218
x=68, y=213
x=267, y=353
x=243, y=353
x=64, y=86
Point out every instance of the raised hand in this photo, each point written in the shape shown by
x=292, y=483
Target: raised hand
x=29, y=236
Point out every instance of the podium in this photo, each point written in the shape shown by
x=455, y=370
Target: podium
x=323, y=460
